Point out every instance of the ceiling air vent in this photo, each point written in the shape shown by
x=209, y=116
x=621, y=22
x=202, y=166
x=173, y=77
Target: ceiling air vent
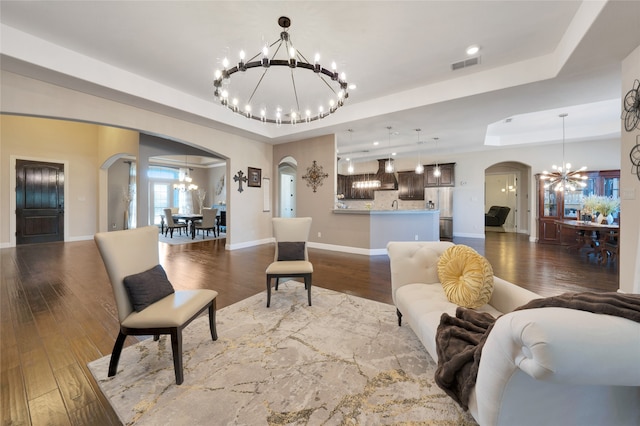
x=465, y=63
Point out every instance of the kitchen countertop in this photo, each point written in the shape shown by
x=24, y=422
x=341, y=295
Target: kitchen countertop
x=384, y=212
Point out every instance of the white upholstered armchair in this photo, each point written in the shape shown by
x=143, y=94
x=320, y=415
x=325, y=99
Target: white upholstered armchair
x=291, y=257
x=146, y=301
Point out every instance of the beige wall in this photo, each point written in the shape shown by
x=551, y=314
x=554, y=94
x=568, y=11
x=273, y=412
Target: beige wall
x=630, y=186
x=338, y=232
x=23, y=95
x=75, y=145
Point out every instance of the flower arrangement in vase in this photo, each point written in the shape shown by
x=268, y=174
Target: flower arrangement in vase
x=603, y=205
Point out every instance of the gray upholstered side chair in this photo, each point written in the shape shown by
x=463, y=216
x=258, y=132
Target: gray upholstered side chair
x=172, y=224
x=208, y=222
x=147, y=304
x=291, y=258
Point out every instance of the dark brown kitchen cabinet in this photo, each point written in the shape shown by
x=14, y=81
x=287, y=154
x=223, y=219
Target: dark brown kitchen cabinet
x=345, y=186
x=410, y=186
x=446, y=178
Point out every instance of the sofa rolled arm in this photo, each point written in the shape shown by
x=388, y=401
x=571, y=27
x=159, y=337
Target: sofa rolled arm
x=569, y=346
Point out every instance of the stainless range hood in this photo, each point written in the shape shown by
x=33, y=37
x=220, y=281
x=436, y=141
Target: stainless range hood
x=388, y=181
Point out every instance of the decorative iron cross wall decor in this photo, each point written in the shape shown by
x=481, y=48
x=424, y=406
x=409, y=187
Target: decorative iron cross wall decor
x=239, y=177
x=315, y=175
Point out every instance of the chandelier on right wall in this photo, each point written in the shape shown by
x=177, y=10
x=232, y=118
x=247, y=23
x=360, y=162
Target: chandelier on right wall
x=563, y=178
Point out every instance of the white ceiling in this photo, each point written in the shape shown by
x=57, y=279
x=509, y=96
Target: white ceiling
x=538, y=59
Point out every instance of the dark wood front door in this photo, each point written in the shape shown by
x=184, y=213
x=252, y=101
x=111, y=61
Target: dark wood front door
x=39, y=202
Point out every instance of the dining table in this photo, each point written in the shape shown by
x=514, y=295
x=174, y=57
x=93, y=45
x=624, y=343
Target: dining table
x=190, y=220
x=588, y=234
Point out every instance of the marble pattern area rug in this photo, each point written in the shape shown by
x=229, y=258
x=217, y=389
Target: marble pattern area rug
x=342, y=361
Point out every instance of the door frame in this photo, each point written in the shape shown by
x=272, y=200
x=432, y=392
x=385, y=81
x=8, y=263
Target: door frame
x=68, y=204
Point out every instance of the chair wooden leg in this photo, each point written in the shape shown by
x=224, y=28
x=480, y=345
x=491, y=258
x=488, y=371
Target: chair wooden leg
x=307, y=284
x=277, y=282
x=156, y=337
x=115, y=354
x=176, y=347
x=269, y=290
x=399, y=317
x=212, y=320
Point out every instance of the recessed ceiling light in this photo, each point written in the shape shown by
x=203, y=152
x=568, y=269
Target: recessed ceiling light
x=352, y=87
x=376, y=143
x=473, y=49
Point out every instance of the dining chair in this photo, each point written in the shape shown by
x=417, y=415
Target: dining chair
x=610, y=246
x=208, y=222
x=146, y=302
x=291, y=256
x=172, y=224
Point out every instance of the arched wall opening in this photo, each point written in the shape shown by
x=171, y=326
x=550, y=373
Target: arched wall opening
x=287, y=174
x=508, y=184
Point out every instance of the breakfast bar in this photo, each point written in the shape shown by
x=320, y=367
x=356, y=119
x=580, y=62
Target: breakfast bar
x=383, y=226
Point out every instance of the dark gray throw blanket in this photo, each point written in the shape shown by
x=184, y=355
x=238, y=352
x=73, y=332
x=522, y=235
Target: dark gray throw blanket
x=459, y=339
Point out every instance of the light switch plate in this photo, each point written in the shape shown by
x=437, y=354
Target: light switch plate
x=629, y=194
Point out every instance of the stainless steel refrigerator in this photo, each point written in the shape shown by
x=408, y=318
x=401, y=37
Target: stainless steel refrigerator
x=442, y=199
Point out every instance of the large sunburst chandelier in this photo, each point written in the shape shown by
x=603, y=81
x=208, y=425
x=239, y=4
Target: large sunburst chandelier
x=563, y=178
x=273, y=110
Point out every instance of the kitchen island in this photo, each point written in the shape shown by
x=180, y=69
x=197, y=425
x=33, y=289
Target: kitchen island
x=371, y=230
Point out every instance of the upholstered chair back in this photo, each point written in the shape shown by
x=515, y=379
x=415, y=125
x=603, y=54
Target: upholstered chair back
x=414, y=262
x=209, y=217
x=168, y=215
x=125, y=253
x=294, y=229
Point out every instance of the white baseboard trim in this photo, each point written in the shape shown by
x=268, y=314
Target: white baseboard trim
x=68, y=240
x=81, y=238
x=465, y=235
x=347, y=249
x=320, y=246
x=248, y=244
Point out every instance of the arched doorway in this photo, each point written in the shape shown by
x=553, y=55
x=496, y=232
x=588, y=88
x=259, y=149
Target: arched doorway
x=287, y=172
x=507, y=184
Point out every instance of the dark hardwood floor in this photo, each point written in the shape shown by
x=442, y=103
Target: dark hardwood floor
x=58, y=313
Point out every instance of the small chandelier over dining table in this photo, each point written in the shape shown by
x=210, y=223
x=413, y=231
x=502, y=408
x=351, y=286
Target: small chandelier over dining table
x=563, y=178
x=185, y=180
x=335, y=83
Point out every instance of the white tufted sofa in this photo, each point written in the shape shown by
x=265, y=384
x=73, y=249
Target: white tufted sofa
x=549, y=366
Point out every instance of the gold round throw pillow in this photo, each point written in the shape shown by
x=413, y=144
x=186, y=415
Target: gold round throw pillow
x=466, y=276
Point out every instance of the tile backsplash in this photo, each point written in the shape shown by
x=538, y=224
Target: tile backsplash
x=383, y=200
